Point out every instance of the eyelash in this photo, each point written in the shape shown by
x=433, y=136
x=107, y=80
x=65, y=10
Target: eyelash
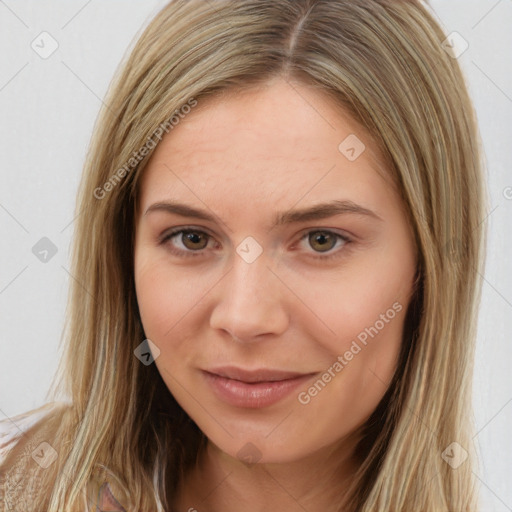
x=337, y=253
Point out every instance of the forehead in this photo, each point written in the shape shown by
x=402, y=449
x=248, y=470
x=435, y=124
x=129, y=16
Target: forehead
x=279, y=143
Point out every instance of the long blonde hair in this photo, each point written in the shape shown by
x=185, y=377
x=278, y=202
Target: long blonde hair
x=382, y=61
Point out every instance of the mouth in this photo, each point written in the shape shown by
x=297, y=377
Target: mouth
x=252, y=376
x=253, y=388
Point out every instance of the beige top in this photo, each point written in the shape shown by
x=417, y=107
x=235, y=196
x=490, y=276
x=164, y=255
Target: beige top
x=11, y=431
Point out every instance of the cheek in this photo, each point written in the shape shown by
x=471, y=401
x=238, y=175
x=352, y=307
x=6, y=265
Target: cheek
x=357, y=307
x=365, y=313
x=362, y=364
x=153, y=298
x=166, y=296
x=372, y=355
x=367, y=330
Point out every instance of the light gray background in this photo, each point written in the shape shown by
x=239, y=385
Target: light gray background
x=48, y=107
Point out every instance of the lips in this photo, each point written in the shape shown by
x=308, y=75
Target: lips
x=252, y=376
x=253, y=388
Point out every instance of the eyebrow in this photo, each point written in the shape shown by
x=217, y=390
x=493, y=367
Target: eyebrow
x=316, y=212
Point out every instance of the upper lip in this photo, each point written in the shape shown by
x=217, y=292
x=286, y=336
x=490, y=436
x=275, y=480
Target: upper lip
x=258, y=375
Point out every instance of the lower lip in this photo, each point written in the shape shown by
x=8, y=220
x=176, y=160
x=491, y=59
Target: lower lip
x=256, y=395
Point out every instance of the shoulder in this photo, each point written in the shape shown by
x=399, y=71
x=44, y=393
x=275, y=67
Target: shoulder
x=14, y=429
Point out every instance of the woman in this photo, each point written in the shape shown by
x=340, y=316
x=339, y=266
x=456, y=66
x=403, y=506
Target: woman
x=216, y=358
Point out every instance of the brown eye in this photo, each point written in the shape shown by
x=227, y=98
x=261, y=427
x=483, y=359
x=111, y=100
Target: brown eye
x=324, y=245
x=194, y=240
x=186, y=242
x=322, y=240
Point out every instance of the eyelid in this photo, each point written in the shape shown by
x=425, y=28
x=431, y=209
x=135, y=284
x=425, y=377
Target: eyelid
x=336, y=231
x=173, y=231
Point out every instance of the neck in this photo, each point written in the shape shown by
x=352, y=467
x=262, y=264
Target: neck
x=221, y=483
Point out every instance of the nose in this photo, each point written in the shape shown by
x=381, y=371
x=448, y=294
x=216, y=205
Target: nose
x=251, y=301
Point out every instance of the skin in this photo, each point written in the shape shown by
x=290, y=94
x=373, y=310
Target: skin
x=244, y=157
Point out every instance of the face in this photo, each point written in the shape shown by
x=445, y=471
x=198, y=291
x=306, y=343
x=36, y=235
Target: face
x=278, y=322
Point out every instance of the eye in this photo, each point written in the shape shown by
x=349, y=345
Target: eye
x=324, y=241
x=192, y=242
